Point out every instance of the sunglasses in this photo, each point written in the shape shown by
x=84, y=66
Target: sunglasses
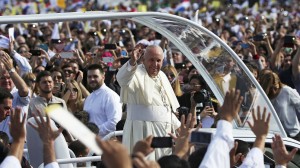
x=38, y=71
x=68, y=71
x=74, y=89
x=58, y=77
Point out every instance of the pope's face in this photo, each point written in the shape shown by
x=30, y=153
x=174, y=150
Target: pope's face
x=153, y=60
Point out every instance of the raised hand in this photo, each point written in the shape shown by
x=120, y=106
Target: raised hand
x=114, y=154
x=144, y=146
x=139, y=161
x=17, y=126
x=18, y=133
x=136, y=54
x=260, y=127
x=281, y=155
x=182, y=140
x=44, y=129
x=6, y=60
x=231, y=106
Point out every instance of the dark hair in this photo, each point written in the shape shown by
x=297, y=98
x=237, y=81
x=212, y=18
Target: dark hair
x=66, y=66
x=5, y=94
x=95, y=67
x=93, y=127
x=3, y=152
x=41, y=75
x=83, y=116
x=120, y=125
x=172, y=161
x=19, y=49
x=57, y=69
x=200, y=79
x=243, y=147
x=4, y=138
x=78, y=148
x=196, y=157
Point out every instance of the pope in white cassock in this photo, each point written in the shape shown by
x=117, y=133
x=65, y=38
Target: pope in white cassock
x=150, y=99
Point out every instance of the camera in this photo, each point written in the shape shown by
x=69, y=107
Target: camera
x=121, y=32
x=183, y=111
x=201, y=96
x=180, y=66
x=289, y=41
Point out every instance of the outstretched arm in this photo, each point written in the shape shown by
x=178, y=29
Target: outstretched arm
x=281, y=155
x=125, y=74
x=296, y=62
x=260, y=128
x=217, y=154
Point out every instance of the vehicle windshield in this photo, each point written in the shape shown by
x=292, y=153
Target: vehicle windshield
x=221, y=68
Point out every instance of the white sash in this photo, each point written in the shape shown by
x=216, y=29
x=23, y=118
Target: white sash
x=148, y=113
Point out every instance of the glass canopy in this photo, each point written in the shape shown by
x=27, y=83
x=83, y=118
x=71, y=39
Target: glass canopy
x=221, y=68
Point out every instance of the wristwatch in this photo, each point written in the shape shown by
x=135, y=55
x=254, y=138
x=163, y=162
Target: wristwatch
x=12, y=70
x=13, y=52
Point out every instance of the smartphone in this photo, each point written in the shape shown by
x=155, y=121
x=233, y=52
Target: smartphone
x=11, y=33
x=207, y=104
x=162, y=142
x=259, y=37
x=123, y=53
x=180, y=66
x=44, y=47
x=235, y=43
x=201, y=138
x=110, y=46
x=108, y=59
x=66, y=54
x=124, y=60
x=56, y=41
x=121, y=32
x=103, y=31
x=245, y=45
x=289, y=41
x=93, y=33
x=35, y=52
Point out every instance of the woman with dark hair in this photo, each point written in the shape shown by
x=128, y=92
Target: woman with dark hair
x=198, y=102
x=285, y=100
x=58, y=81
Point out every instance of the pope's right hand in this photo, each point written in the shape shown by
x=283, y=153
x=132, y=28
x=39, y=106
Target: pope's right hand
x=136, y=55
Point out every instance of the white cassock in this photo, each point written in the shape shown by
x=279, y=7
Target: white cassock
x=149, y=103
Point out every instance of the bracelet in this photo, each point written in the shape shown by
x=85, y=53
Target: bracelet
x=12, y=70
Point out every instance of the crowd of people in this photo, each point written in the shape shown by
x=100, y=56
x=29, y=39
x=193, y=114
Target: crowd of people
x=119, y=75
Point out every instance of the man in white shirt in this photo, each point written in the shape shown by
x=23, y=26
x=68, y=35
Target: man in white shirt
x=150, y=99
x=103, y=104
